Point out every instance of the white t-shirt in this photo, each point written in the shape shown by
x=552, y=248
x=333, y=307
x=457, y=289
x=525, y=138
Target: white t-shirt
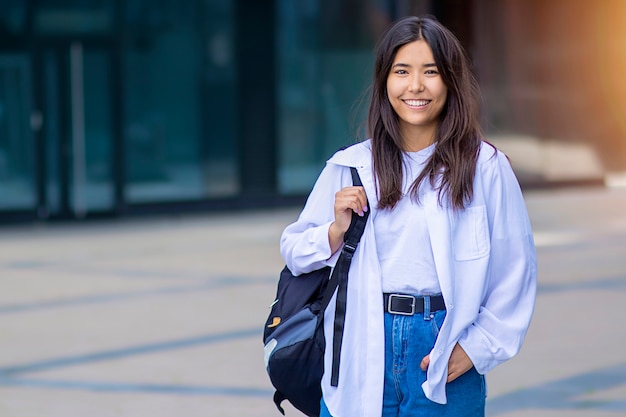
x=402, y=239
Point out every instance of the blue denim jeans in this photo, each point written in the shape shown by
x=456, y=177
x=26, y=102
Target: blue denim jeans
x=407, y=340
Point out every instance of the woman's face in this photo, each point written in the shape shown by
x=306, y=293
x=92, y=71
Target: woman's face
x=416, y=91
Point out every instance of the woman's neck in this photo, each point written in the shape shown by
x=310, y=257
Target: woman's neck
x=416, y=139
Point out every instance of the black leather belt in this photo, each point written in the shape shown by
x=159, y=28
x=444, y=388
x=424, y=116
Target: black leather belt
x=409, y=304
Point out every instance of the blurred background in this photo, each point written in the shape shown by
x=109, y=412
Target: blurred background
x=134, y=133
x=116, y=108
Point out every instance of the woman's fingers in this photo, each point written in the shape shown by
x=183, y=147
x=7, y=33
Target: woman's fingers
x=352, y=198
x=459, y=363
x=348, y=200
x=425, y=362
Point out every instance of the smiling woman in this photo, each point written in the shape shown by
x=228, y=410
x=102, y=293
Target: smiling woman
x=451, y=84
x=417, y=94
x=442, y=286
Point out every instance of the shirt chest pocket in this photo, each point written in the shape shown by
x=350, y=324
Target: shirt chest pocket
x=471, y=234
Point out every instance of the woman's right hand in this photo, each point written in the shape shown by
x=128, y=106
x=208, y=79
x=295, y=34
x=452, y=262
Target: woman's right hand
x=347, y=201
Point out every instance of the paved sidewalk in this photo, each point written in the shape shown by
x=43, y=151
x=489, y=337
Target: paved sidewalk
x=162, y=317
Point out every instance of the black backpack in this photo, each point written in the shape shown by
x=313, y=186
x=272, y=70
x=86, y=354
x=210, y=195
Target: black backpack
x=294, y=334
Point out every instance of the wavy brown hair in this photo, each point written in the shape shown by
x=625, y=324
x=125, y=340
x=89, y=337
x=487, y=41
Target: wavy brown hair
x=452, y=165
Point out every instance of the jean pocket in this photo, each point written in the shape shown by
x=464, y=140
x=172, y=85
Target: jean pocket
x=436, y=321
x=483, y=385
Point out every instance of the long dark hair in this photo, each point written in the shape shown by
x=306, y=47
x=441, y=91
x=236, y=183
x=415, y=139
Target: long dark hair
x=451, y=167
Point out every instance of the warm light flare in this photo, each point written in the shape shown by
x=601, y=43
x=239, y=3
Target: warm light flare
x=609, y=30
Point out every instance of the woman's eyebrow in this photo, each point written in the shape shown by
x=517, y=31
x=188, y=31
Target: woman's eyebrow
x=403, y=65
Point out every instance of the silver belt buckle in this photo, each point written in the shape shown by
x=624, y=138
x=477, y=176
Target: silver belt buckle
x=401, y=296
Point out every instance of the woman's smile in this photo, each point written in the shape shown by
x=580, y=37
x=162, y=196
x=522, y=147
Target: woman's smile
x=417, y=94
x=416, y=104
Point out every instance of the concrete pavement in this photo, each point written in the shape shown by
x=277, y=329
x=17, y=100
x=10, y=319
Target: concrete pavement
x=162, y=317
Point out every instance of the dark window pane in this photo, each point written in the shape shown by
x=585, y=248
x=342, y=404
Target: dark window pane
x=325, y=57
x=12, y=18
x=74, y=16
x=17, y=190
x=178, y=86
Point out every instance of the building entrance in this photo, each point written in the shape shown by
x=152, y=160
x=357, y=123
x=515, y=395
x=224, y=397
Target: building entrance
x=75, y=122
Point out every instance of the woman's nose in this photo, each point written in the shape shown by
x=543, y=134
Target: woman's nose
x=416, y=84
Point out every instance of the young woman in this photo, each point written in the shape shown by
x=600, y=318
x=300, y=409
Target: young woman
x=442, y=286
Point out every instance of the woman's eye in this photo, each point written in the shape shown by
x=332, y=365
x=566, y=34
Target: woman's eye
x=432, y=72
x=401, y=72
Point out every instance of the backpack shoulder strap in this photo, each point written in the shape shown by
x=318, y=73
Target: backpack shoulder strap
x=351, y=240
x=339, y=281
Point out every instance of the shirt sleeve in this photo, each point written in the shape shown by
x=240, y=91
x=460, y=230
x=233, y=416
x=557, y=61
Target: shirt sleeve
x=304, y=244
x=505, y=313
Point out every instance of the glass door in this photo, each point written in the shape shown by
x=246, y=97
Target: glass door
x=77, y=129
x=17, y=150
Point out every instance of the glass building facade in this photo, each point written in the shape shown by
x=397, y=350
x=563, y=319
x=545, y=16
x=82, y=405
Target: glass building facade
x=121, y=107
x=109, y=106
